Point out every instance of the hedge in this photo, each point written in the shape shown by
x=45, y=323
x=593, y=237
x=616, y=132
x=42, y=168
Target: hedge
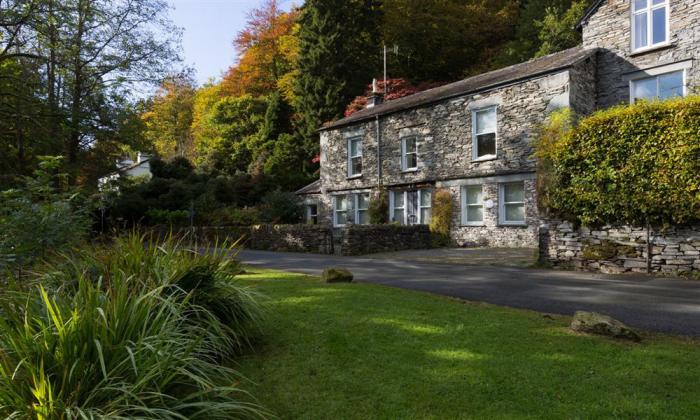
x=633, y=164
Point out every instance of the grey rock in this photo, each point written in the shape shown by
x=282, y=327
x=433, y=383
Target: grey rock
x=595, y=323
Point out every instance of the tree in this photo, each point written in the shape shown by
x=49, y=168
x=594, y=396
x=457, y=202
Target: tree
x=335, y=37
x=169, y=117
x=445, y=40
x=556, y=30
x=266, y=48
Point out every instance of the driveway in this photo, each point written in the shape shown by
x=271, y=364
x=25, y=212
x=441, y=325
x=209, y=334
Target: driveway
x=656, y=304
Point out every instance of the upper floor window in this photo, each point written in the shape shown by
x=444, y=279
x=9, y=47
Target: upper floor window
x=311, y=214
x=354, y=156
x=411, y=207
x=662, y=86
x=649, y=23
x=512, y=203
x=484, y=123
x=409, y=153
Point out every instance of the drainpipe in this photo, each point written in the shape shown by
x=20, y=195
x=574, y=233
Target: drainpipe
x=379, y=153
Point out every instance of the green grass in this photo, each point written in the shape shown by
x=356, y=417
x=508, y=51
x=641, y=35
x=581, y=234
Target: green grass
x=357, y=351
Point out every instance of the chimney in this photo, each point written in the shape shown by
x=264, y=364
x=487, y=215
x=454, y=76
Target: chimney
x=377, y=97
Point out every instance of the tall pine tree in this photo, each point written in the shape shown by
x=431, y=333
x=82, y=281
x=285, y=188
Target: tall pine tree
x=335, y=37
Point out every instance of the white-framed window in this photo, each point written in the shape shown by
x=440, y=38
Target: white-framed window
x=484, y=128
x=409, y=153
x=361, y=207
x=649, y=23
x=473, y=205
x=661, y=86
x=412, y=207
x=311, y=213
x=354, y=156
x=511, y=209
x=340, y=210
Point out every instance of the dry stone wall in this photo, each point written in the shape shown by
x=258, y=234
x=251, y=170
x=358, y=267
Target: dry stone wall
x=622, y=249
x=373, y=239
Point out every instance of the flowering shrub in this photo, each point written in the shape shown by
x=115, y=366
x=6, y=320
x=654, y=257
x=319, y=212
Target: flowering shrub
x=395, y=88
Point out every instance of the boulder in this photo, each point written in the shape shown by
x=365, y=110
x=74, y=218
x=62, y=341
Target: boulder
x=336, y=275
x=595, y=323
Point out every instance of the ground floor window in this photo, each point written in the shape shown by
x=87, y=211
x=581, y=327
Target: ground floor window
x=662, y=86
x=512, y=203
x=311, y=213
x=411, y=207
x=472, y=205
x=340, y=210
x=361, y=205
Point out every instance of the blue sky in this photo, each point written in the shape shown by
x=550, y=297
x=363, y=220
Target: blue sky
x=209, y=28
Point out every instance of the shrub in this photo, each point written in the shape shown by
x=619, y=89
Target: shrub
x=379, y=207
x=42, y=216
x=441, y=219
x=633, y=164
x=281, y=207
x=168, y=217
x=131, y=332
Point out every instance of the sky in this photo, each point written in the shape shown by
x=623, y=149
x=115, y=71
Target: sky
x=209, y=28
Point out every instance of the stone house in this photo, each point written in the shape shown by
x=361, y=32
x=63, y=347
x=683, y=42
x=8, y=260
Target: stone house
x=474, y=137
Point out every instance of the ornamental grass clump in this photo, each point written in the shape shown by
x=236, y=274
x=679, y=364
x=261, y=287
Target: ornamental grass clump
x=129, y=332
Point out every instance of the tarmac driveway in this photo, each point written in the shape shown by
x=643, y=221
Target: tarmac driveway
x=657, y=304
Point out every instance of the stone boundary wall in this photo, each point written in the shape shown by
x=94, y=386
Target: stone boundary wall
x=285, y=238
x=373, y=239
x=616, y=250
x=291, y=238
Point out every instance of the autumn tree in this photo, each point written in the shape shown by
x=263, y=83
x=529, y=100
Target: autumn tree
x=557, y=29
x=169, y=117
x=266, y=48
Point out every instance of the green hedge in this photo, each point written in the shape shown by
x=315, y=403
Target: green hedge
x=633, y=164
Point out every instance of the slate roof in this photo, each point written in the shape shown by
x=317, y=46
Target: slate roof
x=508, y=75
x=313, y=188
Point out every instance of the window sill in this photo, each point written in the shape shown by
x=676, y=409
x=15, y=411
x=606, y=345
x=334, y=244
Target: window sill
x=513, y=224
x=354, y=176
x=651, y=49
x=472, y=225
x=409, y=170
x=484, y=159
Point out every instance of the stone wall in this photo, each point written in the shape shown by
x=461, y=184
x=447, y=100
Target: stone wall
x=291, y=238
x=285, y=238
x=610, y=29
x=372, y=239
x=621, y=249
x=491, y=233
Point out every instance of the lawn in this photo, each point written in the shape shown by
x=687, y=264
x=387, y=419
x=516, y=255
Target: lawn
x=358, y=351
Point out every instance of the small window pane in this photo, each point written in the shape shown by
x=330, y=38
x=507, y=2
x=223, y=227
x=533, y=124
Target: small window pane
x=515, y=213
x=671, y=85
x=657, y=2
x=356, y=166
x=362, y=217
x=640, y=30
x=410, y=144
x=425, y=215
x=474, y=195
x=355, y=149
x=341, y=218
x=363, y=201
x=640, y=4
x=659, y=25
x=398, y=199
x=341, y=203
x=398, y=216
x=644, y=89
x=411, y=161
x=485, y=145
x=426, y=198
x=514, y=193
x=486, y=121
x=475, y=214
